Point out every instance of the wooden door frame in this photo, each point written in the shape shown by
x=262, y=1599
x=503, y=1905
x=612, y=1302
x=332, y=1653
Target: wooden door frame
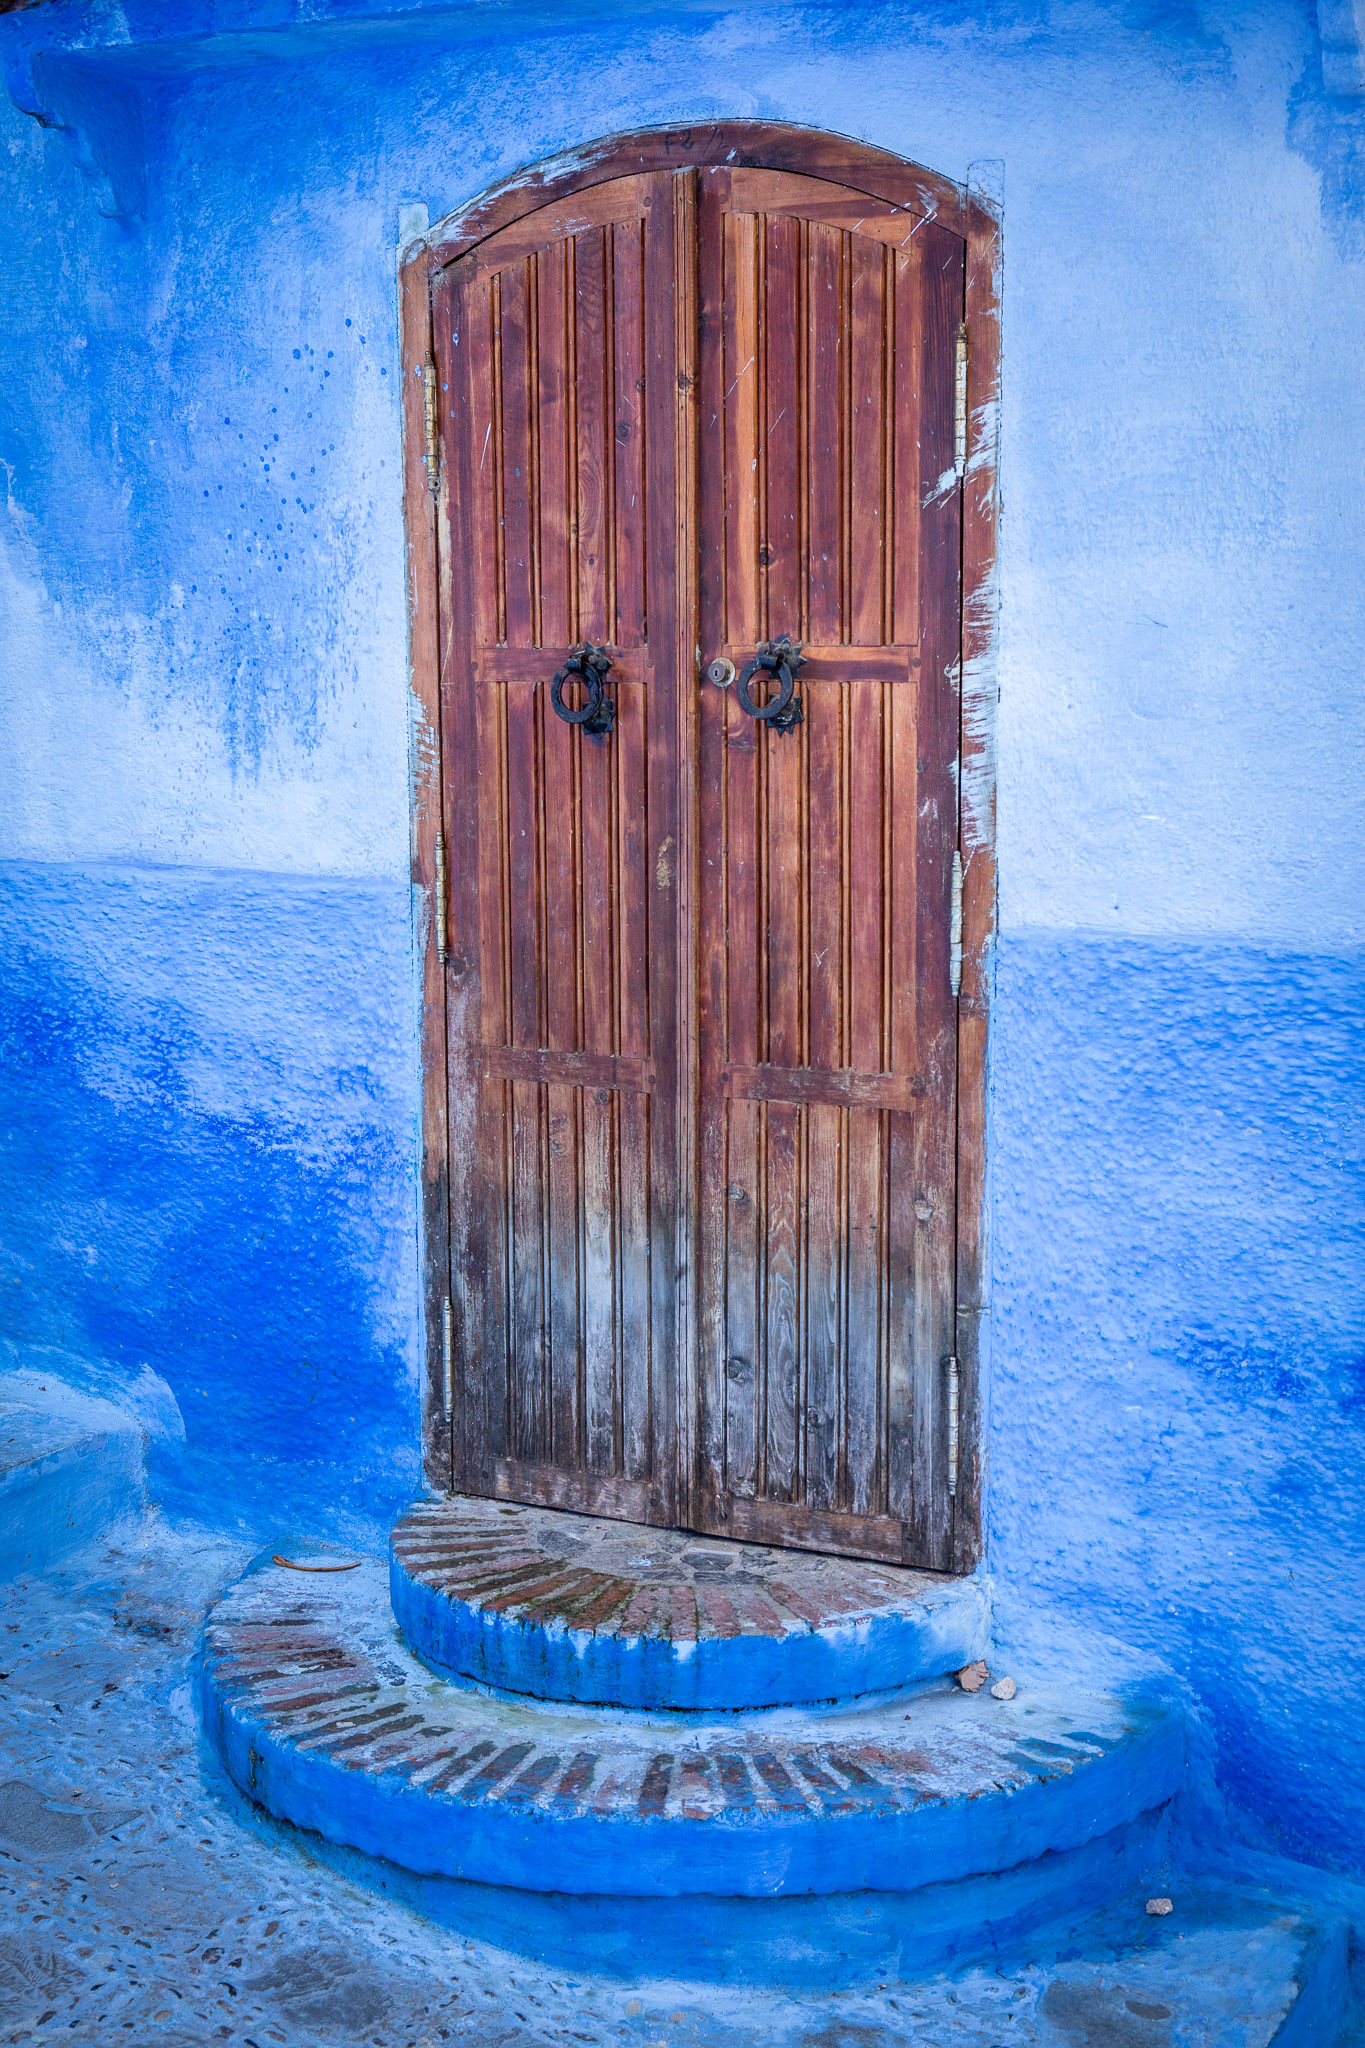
x=965, y=212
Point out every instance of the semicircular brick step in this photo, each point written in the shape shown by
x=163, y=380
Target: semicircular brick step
x=571, y=1607
x=322, y=1715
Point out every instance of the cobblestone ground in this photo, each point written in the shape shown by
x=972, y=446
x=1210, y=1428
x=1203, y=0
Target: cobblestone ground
x=142, y=1901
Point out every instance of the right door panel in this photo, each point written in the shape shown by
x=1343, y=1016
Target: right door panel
x=830, y=513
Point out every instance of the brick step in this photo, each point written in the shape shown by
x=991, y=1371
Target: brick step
x=570, y=1607
x=321, y=1713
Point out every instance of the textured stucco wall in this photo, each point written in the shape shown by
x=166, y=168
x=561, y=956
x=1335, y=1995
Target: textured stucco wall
x=209, y=1070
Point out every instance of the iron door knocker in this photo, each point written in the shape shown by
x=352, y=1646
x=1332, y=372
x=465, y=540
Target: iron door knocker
x=598, y=714
x=781, y=658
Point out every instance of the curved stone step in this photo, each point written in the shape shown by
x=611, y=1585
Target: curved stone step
x=321, y=1714
x=570, y=1607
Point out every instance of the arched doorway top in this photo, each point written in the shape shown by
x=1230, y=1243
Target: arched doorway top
x=767, y=145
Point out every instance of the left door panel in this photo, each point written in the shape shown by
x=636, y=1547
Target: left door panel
x=555, y=359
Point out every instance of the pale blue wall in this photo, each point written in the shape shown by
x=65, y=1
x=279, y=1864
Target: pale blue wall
x=210, y=1030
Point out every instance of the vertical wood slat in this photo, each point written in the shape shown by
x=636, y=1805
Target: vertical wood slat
x=781, y=920
x=637, y=964
x=823, y=1318
x=866, y=1309
x=741, y=1227
x=525, y=794
x=595, y=537
x=564, y=853
x=977, y=833
x=908, y=370
x=831, y=1163
x=734, y=1021
x=825, y=356
x=867, y=439
x=781, y=417
x=478, y=917
x=724, y=1375
x=826, y=1223
x=599, y=883
x=629, y=493
x=425, y=332
x=651, y=1371
x=516, y=382
x=932, y=1228
x=739, y=410
x=526, y=1280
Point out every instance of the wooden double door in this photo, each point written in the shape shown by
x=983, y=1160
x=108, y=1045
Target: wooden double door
x=699, y=987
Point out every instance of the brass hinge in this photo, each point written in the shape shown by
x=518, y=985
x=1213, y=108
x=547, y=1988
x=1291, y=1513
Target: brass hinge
x=447, y=1357
x=960, y=402
x=955, y=937
x=433, y=425
x=954, y=1396
x=441, y=898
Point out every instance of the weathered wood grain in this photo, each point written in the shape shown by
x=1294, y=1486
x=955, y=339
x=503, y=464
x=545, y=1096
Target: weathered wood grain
x=827, y=1262
x=809, y=153
x=566, y=1081
x=421, y=513
x=708, y=1098
x=979, y=694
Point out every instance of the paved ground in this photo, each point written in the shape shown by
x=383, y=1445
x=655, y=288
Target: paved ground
x=141, y=1901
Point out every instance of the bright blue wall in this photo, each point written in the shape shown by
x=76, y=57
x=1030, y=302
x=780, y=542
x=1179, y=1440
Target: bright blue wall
x=1179, y=1369
x=206, y=1107
x=210, y=1075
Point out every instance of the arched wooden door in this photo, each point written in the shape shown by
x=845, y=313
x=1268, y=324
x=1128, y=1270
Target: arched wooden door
x=699, y=989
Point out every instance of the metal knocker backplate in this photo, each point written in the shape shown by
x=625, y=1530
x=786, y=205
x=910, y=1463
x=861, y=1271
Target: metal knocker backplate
x=782, y=660
x=597, y=714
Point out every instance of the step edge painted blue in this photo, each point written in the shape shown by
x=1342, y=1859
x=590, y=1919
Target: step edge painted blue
x=65, y=1494
x=761, y=1855
x=878, y=1653
x=803, y=1941
x=1322, y=2007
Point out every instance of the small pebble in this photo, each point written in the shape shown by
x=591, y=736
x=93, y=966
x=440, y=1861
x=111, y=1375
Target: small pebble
x=973, y=1676
x=1159, y=1908
x=1005, y=1690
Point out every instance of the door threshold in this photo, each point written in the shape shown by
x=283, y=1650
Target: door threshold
x=576, y=1607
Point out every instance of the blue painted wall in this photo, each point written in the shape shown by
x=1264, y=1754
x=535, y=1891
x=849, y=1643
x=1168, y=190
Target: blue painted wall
x=210, y=1066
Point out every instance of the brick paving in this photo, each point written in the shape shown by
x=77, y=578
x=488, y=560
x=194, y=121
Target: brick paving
x=316, y=1667
x=535, y=1565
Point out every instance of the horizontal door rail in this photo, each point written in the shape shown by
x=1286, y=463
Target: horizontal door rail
x=844, y=1089
x=583, y=1493
x=821, y=664
x=568, y=1069
x=766, y=1521
x=495, y=664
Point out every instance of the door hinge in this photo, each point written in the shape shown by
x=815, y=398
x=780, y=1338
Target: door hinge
x=955, y=937
x=441, y=896
x=433, y=424
x=447, y=1358
x=960, y=402
x=954, y=1396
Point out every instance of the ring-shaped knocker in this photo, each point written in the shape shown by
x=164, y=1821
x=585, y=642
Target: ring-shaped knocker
x=590, y=664
x=782, y=659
